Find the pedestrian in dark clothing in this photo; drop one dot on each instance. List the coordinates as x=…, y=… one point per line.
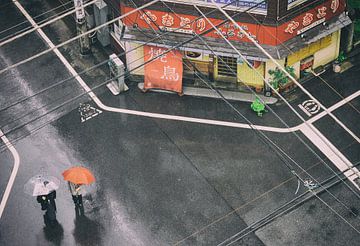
x=48, y=203
x=76, y=194
x=51, y=198
x=50, y=215
x=77, y=198
x=43, y=201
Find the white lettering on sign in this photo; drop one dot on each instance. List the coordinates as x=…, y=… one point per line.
x=334, y=5
x=310, y=26
x=200, y=24
x=159, y=53
x=171, y=29
x=170, y=74
x=230, y=30
x=184, y=22
x=167, y=20
x=292, y=26
x=307, y=19
x=321, y=12
x=148, y=17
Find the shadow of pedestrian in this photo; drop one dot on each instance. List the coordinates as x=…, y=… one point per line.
x=87, y=231
x=53, y=231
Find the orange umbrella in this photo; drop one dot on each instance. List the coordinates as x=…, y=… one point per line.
x=78, y=175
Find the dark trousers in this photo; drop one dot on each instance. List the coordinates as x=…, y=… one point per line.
x=77, y=200
x=50, y=215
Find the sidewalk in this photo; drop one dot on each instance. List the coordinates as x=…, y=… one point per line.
x=229, y=95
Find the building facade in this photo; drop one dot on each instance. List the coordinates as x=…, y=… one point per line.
x=302, y=34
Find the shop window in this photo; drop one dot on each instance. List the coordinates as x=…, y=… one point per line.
x=227, y=66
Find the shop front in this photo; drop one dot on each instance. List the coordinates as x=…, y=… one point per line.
x=222, y=71
x=315, y=55
x=306, y=42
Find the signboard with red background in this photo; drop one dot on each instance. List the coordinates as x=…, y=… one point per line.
x=263, y=34
x=164, y=71
x=310, y=19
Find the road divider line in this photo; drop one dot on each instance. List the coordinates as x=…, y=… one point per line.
x=14, y=171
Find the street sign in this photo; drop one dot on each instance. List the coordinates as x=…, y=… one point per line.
x=310, y=107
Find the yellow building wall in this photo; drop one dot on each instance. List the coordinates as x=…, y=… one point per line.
x=250, y=76
x=269, y=65
x=296, y=67
x=216, y=71
x=310, y=50
x=329, y=53
x=135, y=57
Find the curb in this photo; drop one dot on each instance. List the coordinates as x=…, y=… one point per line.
x=229, y=95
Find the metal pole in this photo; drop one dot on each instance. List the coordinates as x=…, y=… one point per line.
x=81, y=28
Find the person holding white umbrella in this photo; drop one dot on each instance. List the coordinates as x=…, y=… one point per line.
x=43, y=187
x=44, y=200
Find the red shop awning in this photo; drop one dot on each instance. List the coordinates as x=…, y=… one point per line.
x=164, y=72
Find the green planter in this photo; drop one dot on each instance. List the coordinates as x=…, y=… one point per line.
x=279, y=79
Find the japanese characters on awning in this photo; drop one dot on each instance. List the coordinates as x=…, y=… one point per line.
x=264, y=34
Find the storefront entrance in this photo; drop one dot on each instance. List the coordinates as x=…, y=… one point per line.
x=225, y=71
x=306, y=65
x=196, y=67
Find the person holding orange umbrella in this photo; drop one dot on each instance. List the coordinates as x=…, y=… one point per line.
x=76, y=177
x=75, y=190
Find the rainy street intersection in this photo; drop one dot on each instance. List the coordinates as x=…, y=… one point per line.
x=170, y=170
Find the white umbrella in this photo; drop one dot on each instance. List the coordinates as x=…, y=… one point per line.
x=41, y=185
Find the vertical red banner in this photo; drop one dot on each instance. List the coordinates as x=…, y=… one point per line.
x=165, y=71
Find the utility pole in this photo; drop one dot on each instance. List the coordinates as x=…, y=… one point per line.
x=81, y=27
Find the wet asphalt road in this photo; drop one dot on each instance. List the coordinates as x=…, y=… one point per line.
x=160, y=181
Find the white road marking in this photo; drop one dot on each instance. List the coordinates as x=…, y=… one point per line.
x=335, y=106
x=16, y=156
x=311, y=106
x=331, y=152
x=87, y=112
x=304, y=110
